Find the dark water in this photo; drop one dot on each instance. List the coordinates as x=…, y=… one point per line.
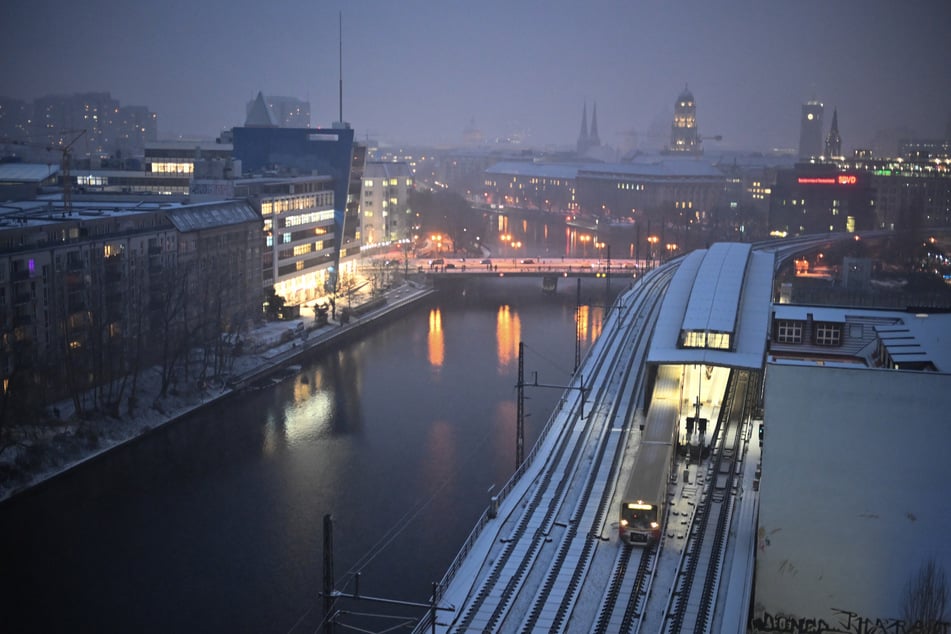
x=215, y=523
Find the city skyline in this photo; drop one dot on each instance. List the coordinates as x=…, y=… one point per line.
x=420, y=72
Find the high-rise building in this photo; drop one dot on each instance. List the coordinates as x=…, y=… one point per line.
x=14, y=119
x=810, y=129
x=684, y=136
x=93, y=125
x=386, y=215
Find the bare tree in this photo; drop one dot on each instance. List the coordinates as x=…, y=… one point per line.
x=926, y=600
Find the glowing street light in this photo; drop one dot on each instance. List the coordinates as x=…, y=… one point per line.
x=652, y=240
x=584, y=241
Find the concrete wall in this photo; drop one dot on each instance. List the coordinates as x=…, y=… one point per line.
x=854, y=495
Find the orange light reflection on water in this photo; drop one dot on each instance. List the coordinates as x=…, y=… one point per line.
x=508, y=332
x=437, y=346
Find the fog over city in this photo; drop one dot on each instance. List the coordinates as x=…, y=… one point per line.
x=421, y=72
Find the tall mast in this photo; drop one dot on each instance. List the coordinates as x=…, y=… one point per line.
x=340, y=61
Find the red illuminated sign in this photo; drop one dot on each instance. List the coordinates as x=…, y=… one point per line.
x=841, y=179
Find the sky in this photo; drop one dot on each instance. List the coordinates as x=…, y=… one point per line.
x=419, y=72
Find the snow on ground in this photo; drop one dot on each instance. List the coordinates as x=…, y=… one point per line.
x=59, y=447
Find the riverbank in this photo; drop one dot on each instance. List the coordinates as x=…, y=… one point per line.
x=69, y=442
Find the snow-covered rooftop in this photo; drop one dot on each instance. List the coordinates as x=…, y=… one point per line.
x=727, y=288
x=906, y=336
x=715, y=295
x=27, y=172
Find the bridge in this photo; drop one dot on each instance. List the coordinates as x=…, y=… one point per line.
x=534, y=267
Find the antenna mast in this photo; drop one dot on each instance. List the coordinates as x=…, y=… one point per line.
x=340, y=62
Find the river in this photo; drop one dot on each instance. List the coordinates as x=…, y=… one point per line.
x=215, y=522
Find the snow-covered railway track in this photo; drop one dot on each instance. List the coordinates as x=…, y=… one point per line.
x=691, y=605
x=541, y=567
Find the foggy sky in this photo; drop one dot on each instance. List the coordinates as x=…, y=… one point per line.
x=418, y=72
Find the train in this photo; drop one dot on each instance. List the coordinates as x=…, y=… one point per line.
x=643, y=505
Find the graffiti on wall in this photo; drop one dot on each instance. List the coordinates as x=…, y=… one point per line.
x=843, y=622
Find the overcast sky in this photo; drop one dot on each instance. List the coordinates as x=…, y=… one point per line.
x=419, y=71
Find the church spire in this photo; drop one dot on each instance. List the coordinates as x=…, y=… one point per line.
x=834, y=140
x=583, y=137
x=593, y=140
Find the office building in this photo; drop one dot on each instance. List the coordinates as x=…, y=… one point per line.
x=386, y=216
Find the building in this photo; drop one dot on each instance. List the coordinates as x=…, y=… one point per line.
x=313, y=151
x=14, y=120
x=297, y=253
x=108, y=127
x=167, y=169
x=587, y=140
x=684, y=136
x=834, y=140
x=852, y=489
x=877, y=193
x=810, y=129
x=821, y=198
x=386, y=216
x=90, y=292
x=285, y=112
x=25, y=181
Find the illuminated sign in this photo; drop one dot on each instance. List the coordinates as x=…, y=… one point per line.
x=841, y=179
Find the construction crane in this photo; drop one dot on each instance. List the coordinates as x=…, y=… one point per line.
x=66, y=159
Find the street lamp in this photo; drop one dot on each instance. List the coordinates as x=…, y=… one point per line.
x=671, y=247
x=652, y=240
x=584, y=242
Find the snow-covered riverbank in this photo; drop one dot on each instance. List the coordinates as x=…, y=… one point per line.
x=68, y=441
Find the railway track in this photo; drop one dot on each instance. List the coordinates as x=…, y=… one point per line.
x=691, y=604
x=534, y=580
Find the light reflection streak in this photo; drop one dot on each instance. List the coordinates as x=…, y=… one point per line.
x=582, y=322
x=436, y=347
x=508, y=332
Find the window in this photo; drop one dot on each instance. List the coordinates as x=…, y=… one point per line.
x=788, y=331
x=828, y=334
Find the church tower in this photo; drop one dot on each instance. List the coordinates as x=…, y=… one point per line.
x=834, y=141
x=583, y=141
x=684, y=136
x=593, y=140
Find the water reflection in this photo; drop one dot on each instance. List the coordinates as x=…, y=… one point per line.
x=436, y=347
x=311, y=419
x=508, y=333
x=583, y=322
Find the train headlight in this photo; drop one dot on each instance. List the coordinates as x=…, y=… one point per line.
x=654, y=526
x=623, y=523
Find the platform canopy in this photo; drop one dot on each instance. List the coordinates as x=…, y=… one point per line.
x=716, y=310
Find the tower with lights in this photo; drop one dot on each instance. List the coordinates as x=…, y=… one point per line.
x=810, y=129
x=684, y=136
